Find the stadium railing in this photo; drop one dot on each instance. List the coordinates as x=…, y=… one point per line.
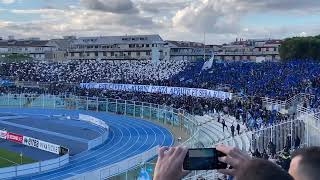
x=305, y=125
x=287, y=106
x=118, y=168
x=168, y=116
x=27, y=169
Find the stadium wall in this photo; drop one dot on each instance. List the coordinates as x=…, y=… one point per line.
x=98, y=122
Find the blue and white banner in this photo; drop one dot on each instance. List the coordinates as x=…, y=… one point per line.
x=178, y=91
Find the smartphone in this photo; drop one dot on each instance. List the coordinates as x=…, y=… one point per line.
x=203, y=159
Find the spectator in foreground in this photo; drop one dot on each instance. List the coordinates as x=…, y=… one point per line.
x=305, y=164
x=170, y=165
x=259, y=169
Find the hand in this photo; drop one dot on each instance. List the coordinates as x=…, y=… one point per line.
x=170, y=163
x=234, y=158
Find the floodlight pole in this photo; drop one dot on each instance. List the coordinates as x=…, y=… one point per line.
x=204, y=46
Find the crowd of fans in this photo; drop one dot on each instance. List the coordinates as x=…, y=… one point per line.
x=137, y=72
x=249, y=80
x=278, y=80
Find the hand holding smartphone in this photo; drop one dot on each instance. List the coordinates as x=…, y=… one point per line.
x=203, y=159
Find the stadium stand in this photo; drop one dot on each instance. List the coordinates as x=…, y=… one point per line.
x=258, y=104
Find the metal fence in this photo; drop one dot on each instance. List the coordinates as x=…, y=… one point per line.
x=281, y=135
x=306, y=125
x=43, y=166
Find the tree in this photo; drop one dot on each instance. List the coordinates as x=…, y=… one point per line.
x=300, y=48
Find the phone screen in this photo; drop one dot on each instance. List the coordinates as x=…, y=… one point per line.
x=203, y=159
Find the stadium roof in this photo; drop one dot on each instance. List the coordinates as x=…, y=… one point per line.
x=24, y=43
x=132, y=39
x=184, y=44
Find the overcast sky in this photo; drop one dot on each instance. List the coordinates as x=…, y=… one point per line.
x=222, y=20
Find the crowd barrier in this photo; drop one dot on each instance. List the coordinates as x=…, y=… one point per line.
x=21, y=170
x=305, y=125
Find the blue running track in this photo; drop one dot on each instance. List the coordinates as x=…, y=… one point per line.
x=127, y=137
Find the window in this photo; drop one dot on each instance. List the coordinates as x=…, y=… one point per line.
x=112, y=53
x=148, y=53
x=138, y=54
x=142, y=45
x=96, y=54
x=104, y=53
x=147, y=45
x=72, y=54
x=129, y=53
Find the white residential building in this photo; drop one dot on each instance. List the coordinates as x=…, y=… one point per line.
x=139, y=47
x=35, y=49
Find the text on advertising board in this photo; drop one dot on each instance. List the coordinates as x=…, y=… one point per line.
x=15, y=137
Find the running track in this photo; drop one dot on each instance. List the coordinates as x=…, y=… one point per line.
x=127, y=137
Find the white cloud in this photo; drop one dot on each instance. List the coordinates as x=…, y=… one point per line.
x=7, y=1
x=115, y=6
x=172, y=19
x=218, y=16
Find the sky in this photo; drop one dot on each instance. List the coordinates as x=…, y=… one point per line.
x=221, y=20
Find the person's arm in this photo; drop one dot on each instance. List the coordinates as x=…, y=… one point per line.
x=170, y=163
x=235, y=158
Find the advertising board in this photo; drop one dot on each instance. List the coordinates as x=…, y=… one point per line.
x=3, y=134
x=32, y=142
x=46, y=146
x=17, y=138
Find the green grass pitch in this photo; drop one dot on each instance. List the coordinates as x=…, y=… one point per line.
x=8, y=159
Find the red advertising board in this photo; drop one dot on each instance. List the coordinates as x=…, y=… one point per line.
x=15, y=137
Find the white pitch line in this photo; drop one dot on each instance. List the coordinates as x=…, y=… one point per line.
x=8, y=160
